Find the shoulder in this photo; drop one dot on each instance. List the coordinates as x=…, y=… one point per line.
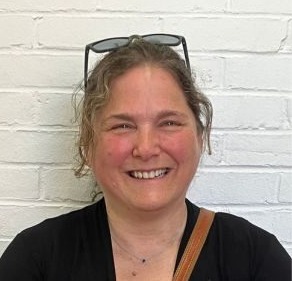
x=232, y=224
x=229, y=224
x=247, y=249
x=232, y=234
x=260, y=249
x=51, y=245
x=54, y=234
x=66, y=222
x=240, y=231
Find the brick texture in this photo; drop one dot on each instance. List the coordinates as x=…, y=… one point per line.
x=241, y=53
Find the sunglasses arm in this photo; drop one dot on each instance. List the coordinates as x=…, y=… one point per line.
x=86, y=65
x=184, y=43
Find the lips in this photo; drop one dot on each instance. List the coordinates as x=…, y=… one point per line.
x=149, y=174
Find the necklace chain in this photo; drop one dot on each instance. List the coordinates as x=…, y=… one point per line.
x=143, y=260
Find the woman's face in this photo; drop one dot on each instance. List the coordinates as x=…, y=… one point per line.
x=146, y=145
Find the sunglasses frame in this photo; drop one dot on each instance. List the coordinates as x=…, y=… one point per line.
x=88, y=47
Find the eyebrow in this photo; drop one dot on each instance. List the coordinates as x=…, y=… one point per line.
x=161, y=114
x=169, y=113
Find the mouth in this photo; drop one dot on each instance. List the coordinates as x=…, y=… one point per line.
x=149, y=174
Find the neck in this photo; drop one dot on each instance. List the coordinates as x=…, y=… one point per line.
x=149, y=227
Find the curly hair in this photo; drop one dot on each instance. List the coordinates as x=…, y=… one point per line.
x=116, y=63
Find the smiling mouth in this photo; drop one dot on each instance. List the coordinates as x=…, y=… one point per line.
x=149, y=174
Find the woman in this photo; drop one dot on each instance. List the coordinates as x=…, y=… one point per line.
x=144, y=126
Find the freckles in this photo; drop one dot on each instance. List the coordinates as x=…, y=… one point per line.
x=109, y=153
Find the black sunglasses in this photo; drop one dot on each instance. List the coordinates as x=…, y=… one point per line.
x=111, y=44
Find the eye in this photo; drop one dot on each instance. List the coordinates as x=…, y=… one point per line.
x=170, y=123
x=122, y=127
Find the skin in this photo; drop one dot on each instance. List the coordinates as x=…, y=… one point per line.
x=146, y=126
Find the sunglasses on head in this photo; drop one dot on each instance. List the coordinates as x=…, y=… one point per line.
x=111, y=44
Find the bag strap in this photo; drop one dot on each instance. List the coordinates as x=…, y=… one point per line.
x=194, y=246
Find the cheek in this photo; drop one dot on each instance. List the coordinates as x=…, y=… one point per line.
x=111, y=151
x=185, y=147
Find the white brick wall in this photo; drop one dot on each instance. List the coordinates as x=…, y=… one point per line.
x=242, y=54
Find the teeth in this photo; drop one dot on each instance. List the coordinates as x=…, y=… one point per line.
x=145, y=175
x=148, y=175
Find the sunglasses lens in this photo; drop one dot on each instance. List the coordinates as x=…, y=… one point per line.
x=163, y=39
x=110, y=44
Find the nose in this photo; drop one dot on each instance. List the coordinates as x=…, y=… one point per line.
x=146, y=144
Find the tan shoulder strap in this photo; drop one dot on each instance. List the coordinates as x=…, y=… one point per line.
x=194, y=246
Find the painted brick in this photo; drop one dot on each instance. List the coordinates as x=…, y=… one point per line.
x=242, y=111
x=57, y=31
x=55, y=109
x=259, y=72
x=229, y=34
x=215, y=158
x=285, y=194
x=289, y=112
x=208, y=71
x=288, y=42
x=3, y=246
x=252, y=150
x=17, y=108
x=19, y=183
x=201, y=33
x=14, y=36
x=61, y=184
x=36, y=147
x=249, y=47
x=262, y=6
x=32, y=108
x=42, y=5
x=169, y=6
x=40, y=70
x=230, y=187
x=288, y=249
x=14, y=219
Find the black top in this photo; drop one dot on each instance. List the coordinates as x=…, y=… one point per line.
x=77, y=247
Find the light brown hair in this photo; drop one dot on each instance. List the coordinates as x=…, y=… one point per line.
x=116, y=63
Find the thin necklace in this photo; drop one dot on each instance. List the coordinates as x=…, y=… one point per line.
x=144, y=260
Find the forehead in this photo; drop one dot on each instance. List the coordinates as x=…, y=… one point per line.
x=148, y=80
x=145, y=89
